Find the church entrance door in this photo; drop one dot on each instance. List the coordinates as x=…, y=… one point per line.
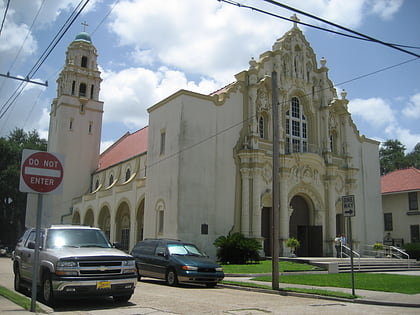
x=309, y=236
x=266, y=229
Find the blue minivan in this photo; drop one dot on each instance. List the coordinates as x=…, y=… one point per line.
x=175, y=261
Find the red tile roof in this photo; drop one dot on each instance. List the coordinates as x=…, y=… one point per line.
x=128, y=146
x=222, y=90
x=401, y=180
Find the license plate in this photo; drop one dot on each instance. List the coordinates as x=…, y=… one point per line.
x=103, y=285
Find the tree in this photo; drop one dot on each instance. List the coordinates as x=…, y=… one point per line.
x=12, y=201
x=392, y=156
x=413, y=158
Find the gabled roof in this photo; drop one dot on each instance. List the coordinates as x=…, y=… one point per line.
x=400, y=181
x=128, y=146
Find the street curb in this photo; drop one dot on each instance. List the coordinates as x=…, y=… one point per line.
x=316, y=296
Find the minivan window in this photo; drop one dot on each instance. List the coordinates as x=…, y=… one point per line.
x=161, y=248
x=184, y=249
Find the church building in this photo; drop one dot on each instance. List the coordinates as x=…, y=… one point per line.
x=203, y=166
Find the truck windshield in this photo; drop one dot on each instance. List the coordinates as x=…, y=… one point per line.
x=76, y=238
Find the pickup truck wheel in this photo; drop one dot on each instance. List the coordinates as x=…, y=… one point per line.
x=171, y=277
x=46, y=289
x=18, y=281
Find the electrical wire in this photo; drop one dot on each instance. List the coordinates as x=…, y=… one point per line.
x=238, y=4
x=4, y=16
x=341, y=27
x=76, y=12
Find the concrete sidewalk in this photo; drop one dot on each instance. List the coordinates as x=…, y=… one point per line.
x=366, y=296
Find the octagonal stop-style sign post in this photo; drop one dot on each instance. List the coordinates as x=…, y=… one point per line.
x=40, y=173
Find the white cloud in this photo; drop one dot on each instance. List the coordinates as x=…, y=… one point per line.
x=386, y=8
x=384, y=122
x=412, y=110
x=375, y=111
x=128, y=93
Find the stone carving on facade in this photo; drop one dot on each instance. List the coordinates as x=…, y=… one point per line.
x=339, y=184
x=263, y=103
x=267, y=173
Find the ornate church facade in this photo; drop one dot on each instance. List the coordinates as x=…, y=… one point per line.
x=203, y=165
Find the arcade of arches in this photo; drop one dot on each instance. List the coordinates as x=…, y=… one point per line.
x=127, y=228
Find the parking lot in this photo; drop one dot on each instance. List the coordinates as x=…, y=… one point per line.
x=154, y=297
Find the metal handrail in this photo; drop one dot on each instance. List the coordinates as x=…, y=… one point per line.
x=401, y=252
x=348, y=248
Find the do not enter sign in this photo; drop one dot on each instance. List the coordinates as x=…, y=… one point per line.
x=41, y=172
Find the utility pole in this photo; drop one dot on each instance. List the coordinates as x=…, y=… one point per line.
x=276, y=191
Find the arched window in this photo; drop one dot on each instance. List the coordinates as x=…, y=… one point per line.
x=84, y=62
x=82, y=90
x=127, y=174
x=92, y=88
x=111, y=180
x=73, y=87
x=261, y=125
x=97, y=184
x=296, y=128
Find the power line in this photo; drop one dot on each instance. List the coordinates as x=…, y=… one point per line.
x=76, y=12
x=238, y=4
x=4, y=16
x=341, y=27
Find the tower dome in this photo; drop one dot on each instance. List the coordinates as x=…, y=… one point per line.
x=83, y=36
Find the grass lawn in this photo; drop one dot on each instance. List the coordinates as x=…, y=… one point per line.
x=364, y=281
x=265, y=267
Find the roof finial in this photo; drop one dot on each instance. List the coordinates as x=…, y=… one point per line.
x=295, y=20
x=84, y=25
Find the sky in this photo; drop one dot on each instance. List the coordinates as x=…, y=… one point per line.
x=149, y=49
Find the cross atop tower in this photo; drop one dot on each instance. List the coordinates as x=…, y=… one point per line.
x=84, y=25
x=295, y=20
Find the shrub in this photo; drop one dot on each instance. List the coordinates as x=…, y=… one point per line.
x=292, y=243
x=378, y=246
x=235, y=248
x=412, y=249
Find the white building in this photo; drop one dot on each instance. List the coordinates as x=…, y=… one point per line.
x=203, y=166
x=400, y=200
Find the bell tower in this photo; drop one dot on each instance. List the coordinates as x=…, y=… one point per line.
x=75, y=126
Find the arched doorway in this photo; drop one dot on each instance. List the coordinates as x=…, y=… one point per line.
x=140, y=221
x=123, y=226
x=89, y=218
x=301, y=228
x=105, y=221
x=76, y=218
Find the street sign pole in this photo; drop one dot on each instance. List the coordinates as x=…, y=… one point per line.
x=41, y=173
x=349, y=211
x=351, y=257
x=35, y=272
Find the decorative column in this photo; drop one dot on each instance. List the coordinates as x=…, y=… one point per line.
x=284, y=210
x=256, y=204
x=245, y=223
x=331, y=224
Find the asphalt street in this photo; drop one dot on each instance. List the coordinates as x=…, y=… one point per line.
x=154, y=297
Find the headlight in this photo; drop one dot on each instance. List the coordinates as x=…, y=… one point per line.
x=129, y=266
x=189, y=268
x=66, y=268
x=129, y=263
x=219, y=269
